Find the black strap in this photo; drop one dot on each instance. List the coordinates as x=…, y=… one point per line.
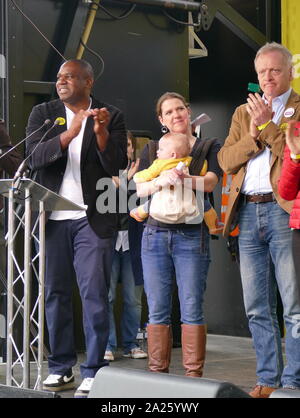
x=202, y=148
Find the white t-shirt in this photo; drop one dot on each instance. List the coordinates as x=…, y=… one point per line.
x=71, y=185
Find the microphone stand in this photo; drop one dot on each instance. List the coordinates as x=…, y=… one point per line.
x=22, y=167
x=47, y=121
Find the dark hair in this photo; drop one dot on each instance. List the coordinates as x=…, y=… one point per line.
x=130, y=135
x=84, y=65
x=166, y=96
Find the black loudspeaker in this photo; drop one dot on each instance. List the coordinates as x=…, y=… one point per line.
x=15, y=392
x=113, y=382
x=285, y=393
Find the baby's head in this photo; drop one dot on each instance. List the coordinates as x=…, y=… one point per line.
x=173, y=146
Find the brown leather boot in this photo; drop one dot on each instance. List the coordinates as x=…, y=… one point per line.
x=261, y=391
x=159, y=339
x=193, y=339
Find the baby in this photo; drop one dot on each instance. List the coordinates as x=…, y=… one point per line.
x=173, y=149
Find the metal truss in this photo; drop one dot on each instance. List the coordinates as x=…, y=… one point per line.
x=25, y=310
x=233, y=20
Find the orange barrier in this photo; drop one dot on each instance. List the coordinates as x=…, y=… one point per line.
x=226, y=184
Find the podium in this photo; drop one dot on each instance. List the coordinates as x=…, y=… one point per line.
x=27, y=194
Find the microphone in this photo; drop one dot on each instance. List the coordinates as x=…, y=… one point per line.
x=199, y=120
x=46, y=123
x=22, y=167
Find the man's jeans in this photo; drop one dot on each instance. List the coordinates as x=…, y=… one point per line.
x=132, y=302
x=183, y=254
x=265, y=238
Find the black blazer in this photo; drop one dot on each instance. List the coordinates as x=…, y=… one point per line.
x=49, y=161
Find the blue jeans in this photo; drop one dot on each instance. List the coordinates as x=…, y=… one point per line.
x=132, y=304
x=265, y=238
x=183, y=254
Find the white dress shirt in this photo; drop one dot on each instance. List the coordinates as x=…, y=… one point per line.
x=257, y=179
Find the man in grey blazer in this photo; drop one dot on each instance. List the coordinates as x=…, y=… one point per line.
x=88, y=145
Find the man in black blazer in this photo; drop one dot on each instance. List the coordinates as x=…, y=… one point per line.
x=88, y=145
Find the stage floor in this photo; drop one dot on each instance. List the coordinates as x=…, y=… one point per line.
x=230, y=359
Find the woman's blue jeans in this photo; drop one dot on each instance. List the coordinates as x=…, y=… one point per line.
x=265, y=238
x=181, y=254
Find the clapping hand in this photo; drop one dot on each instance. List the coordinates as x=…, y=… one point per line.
x=101, y=119
x=134, y=166
x=259, y=111
x=292, y=136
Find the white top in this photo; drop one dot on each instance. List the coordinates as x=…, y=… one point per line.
x=257, y=179
x=71, y=185
x=122, y=241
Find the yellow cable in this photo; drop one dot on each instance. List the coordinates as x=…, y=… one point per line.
x=87, y=29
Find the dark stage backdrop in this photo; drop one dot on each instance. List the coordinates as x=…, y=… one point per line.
x=144, y=55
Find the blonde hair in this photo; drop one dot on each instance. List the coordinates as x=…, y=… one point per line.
x=274, y=46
